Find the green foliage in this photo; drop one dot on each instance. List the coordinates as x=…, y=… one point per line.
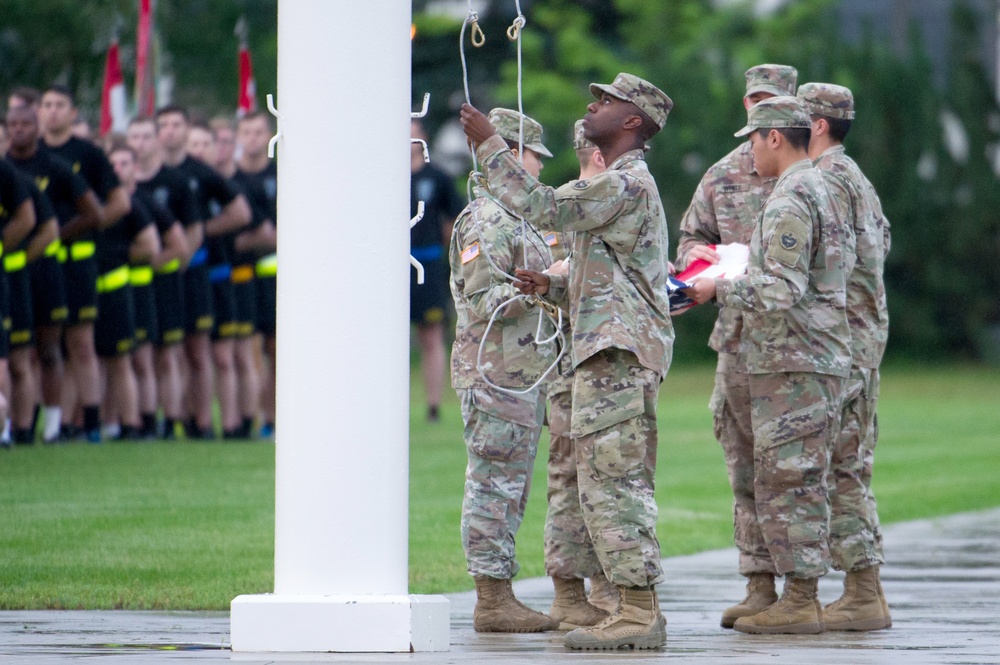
x=65, y=41
x=942, y=274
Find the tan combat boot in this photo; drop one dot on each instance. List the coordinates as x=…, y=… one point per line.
x=881, y=595
x=637, y=624
x=604, y=593
x=498, y=611
x=861, y=606
x=797, y=611
x=570, y=607
x=760, y=596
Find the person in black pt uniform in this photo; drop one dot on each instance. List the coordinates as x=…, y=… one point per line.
x=223, y=211
x=57, y=114
x=243, y=280
x=428, y=240
x=17, y=264
x=133, y=238
x=79, y=217
x=168, y=188
x=253, y=133
x=17, y=218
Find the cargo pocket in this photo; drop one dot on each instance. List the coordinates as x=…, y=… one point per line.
x=618, y=445
x=519, y=409
x=792, y=426
x=789, y=450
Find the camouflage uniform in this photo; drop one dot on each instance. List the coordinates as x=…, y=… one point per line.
x=724, y=210
x=855, y=534
x=795, y=347
x=622, y=334
x=569, y=550
x=501, y=429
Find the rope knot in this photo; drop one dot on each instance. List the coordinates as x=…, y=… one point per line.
x=515, y=28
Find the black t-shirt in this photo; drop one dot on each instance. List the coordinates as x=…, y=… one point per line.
x=115, y=241
x=169, y=189
x=253, y=191
x=43, y=208
x=88, y=161
x=13, y=192
x=212, y=193
x=161, y=216
x=56, y=179
x=267, y=181
x=441, y=202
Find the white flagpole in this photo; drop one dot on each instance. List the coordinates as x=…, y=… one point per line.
x=342, y=465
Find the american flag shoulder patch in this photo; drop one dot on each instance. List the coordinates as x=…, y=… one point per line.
x=551, y=238
x=470, y=252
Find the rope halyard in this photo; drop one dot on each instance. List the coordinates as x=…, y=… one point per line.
x=545, y=310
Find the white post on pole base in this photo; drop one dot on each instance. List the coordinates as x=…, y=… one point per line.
x=341, y=457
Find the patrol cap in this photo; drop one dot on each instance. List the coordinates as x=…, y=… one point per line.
x=650, y=99
x=827, y=99
x=579, y=140
x=776, y=112
x=508, y=123
x=777, y=80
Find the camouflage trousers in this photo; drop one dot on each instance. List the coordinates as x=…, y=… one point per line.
x=855, y=534
x=613, y=425
x=569, y=551
x=796, y=422
x=730, y=405
x=501, y=439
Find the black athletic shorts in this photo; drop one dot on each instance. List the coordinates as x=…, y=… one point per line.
x=199, y=315
x=144, y=301
x=245, y=298
x=428, y=301
x=224, y=306
x=22, y=321
x=48, y=291
x=267, y=305
x=169, y=291
x=81, y=290
x=114, y=331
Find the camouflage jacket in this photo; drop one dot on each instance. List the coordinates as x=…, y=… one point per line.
x=617, y=281
x=866, y=307
x=511, y=358
x=724, y=210
x=795, y=291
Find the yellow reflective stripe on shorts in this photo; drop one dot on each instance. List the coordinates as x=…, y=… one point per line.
x=81, y=250
x=268, y=266
x=113, y=280
x=140, y=275
x=241, y=274
x=15, y=261
x=169, y=267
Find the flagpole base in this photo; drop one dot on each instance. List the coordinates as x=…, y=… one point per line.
x=314, y=623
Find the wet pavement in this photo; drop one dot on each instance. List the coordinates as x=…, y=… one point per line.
x=942, y=583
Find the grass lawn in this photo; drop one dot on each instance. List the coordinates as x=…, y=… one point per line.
x=190, y=525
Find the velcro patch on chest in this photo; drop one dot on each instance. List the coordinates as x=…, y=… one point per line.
x=734, y=188
x=551, y=238
x=470, y=252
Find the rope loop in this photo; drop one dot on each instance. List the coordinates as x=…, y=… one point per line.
x=515, y=28
x=477, y=36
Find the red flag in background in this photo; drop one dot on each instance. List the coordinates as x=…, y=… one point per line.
x=114, y=116
x=247, y=101
x=145, y=86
